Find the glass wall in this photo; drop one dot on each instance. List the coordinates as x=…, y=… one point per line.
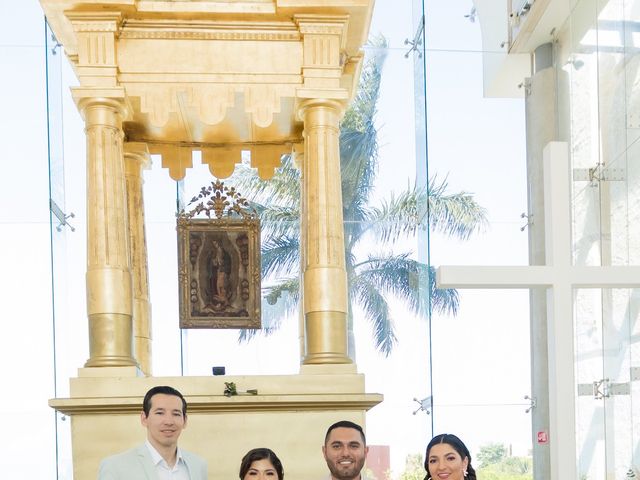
x=481, y=355
x=26, y=346
x=598, y=77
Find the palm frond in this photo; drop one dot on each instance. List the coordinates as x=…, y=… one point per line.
x=403, y=214
x=277, y=221
x=358, y=222
x=445, y=301
x=281, y=301
x=358, y=133
x=358, y=160
x=282, y=189
x=376, y=311
x=410, y=281
x=280, y=255
x=399, y=215
x=456, y=214
x=364, y=106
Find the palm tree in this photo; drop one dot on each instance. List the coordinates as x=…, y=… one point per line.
x=373, y=279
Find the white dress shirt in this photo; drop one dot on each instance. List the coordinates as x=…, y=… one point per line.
x=164, y=471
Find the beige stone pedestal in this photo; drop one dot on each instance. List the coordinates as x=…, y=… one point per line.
x=290, y=415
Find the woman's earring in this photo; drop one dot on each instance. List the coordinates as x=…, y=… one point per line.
x=465, y=472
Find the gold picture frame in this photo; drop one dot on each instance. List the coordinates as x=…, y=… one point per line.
x=219, y=263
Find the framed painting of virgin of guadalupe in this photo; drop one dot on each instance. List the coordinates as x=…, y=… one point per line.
x=219, y=261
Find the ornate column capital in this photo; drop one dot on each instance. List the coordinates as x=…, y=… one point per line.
x=337, y=106
x=137, y=157
x=107, y=100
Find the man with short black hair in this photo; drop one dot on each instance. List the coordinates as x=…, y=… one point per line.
x=164, y=414
x=345, y=450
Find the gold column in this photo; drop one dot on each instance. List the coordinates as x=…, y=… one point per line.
x=137, y=158
x=323, y=265
x=109, y=302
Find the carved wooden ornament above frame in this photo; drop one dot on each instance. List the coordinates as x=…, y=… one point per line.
x=219, y=261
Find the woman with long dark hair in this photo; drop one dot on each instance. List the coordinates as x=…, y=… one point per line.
x=447, y=457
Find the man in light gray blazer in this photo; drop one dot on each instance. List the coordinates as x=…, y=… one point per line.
x=164, y=414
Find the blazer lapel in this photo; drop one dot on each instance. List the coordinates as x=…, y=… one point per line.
x=185, y=457
x=144, y=457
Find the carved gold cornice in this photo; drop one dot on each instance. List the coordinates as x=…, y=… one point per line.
x=95, y=21
x=210, y=101
x=223, y=72
x=223, y=404
x=323, y=24
x=213, y=30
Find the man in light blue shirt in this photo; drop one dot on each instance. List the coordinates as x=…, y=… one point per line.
x=164, y=414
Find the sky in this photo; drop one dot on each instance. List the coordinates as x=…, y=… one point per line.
x=477, y=144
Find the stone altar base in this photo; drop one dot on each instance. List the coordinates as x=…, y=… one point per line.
x=290, y=415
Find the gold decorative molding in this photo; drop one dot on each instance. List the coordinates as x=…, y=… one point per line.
x=224, y=202
x=212, y=101
x=324, y=43
x=266, y=158
x=112, y=98
x=189, y=35
x=212, y=30
x=223, y=404
x=222, y=158
x=96, y=46
x=310, y=24
x=209, y=100
x=222, y=161
x=176, y=159
x=157, y=101
x=262, y=101
x=92, y=22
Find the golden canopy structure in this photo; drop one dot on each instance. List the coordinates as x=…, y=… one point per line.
x=221, y=77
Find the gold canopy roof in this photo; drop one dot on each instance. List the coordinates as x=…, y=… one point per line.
x=215, y=76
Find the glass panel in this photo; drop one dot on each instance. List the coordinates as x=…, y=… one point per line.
x=476, y=144
x=404, y=376
x=599, y=63
x=631, y=17
x=62, y=224
x=590, y=413
x=613, y=70
x=26, y=346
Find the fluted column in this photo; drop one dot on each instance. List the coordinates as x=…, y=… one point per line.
x=109, y=293
x=323, y=263
x=137, y=158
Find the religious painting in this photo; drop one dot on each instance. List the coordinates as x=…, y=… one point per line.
x=219, y=261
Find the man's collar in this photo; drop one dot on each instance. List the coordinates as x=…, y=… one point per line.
x=157, y=458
